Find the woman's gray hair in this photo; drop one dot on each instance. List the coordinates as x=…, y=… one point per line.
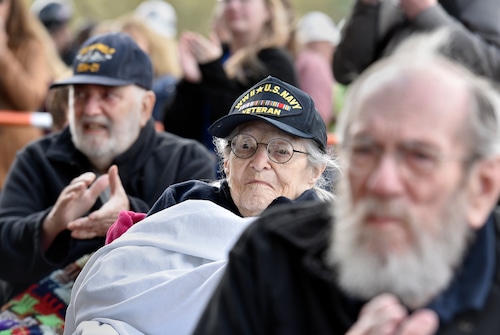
x=316, y=158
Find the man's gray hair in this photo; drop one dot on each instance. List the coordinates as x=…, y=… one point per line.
x=482, y=131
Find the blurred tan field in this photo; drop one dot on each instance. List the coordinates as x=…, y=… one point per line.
x=192, y=14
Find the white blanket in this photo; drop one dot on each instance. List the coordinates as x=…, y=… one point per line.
x=158, y=276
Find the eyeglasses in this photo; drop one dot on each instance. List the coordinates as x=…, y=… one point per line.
x=278, y=150
x=414, y=159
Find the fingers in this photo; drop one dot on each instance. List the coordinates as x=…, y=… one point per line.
x=384, y=315
x=99, y=185
x=86, y=178
x=119, y=199
x=203, y=49
x=421, y=322
x=381, y=316
x=82, y=228
x=72, y=191
x=88, y=227
x=115, y=183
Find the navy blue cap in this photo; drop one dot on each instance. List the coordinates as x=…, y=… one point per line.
x=278, y=103
x=111, y=59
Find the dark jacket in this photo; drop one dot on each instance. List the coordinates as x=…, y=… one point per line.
x=374, y=31
x=216, y=191
x=187, y=115
x=276, y=282
x=44, y=168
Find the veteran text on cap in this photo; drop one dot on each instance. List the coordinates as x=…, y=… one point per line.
x=278, y=103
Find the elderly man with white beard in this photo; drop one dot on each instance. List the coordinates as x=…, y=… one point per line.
x=411, y=243
x=65, y=190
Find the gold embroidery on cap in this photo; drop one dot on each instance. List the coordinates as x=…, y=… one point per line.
x=287, y=96
x=90, y=56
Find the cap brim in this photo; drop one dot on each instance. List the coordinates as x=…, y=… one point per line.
x=225, y=125
x=91, y=79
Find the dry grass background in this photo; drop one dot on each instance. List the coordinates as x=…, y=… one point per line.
x=193, y=14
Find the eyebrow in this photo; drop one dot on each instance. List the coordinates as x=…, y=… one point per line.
x=413, y=144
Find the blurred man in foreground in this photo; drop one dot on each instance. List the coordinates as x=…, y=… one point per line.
x=412, y=231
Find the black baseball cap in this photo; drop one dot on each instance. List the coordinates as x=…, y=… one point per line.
x=55, y=14
x=111, y=59
x=278, y=103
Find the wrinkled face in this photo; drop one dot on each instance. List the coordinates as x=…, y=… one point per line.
x=245, y=16
x=256, y=181
x=401, y=222
x=105, y=121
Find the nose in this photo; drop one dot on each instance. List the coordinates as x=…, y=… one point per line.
x=260, y=160
x=385, y=180
x=91, y=105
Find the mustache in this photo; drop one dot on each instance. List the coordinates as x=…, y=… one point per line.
x=95, y=119
x=376, y=207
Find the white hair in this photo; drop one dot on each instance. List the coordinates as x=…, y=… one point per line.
x=481, y=132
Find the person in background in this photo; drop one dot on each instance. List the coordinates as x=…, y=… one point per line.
x=56, y=104
x=376, y=27
x=214, y=77
x=56, y=16
x=28, y=64
x=413, y=230
x=317, y=36
x=158, y=275
x=65, y=190
x=164, y=55
x=160, y=16
x=161, y=44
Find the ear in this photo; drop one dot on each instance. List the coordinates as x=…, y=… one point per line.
x=316, y=174
x=483, y=190
x=148, y=102
x=226, y=167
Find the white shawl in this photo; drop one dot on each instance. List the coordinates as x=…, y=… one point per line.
x=158, y=276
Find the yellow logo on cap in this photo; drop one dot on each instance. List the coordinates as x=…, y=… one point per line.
x=85, y=67
x=90, y=57
x=267, y=106
x=102, y=48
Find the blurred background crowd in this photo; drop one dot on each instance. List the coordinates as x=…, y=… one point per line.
x=168, y=32
x=192, y=15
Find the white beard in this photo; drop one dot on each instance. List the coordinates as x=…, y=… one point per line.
x=415, y=276
x=101, y=150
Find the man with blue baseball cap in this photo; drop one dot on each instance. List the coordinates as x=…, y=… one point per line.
x=65, y=190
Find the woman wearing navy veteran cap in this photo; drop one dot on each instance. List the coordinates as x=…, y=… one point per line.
x=272, y=147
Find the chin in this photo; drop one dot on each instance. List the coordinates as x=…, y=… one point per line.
x=405, y=259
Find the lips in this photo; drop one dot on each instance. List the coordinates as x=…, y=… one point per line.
x=259, y=182
x=94, y=126
x=382, y=220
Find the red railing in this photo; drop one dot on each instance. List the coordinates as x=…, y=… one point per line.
x=18, y=118
x=44, y=120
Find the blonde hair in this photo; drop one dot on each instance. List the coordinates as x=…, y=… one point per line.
x=275, y=34
x=162, y=50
